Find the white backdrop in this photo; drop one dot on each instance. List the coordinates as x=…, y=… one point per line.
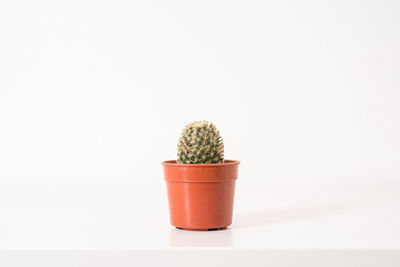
x=298, y=89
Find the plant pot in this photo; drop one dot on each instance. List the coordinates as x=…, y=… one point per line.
x=201, y=196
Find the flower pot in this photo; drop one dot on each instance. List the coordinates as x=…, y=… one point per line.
x=201, y=196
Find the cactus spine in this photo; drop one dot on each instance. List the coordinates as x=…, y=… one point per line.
x=200, y=143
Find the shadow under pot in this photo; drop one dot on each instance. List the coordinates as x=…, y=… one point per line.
x=201, y=196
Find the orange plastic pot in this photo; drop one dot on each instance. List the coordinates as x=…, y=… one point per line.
x=201, y=196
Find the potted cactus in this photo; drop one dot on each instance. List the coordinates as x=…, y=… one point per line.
x=200, y=183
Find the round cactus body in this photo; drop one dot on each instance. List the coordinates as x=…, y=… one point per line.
x=200, y=143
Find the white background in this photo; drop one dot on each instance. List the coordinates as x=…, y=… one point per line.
x=94, y=95
x=298, y=89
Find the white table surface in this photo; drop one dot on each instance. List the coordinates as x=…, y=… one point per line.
x=41, y=218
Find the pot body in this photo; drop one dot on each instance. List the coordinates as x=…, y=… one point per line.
x=201, y=196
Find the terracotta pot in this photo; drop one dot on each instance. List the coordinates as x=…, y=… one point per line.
x=201, y=195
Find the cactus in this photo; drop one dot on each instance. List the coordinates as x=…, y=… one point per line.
x=200, y=143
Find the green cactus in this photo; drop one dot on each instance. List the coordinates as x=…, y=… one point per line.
x=200, y=143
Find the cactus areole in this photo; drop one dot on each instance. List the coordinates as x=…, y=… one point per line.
x=200, y=183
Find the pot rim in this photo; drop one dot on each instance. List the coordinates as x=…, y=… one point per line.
x=227, y=162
